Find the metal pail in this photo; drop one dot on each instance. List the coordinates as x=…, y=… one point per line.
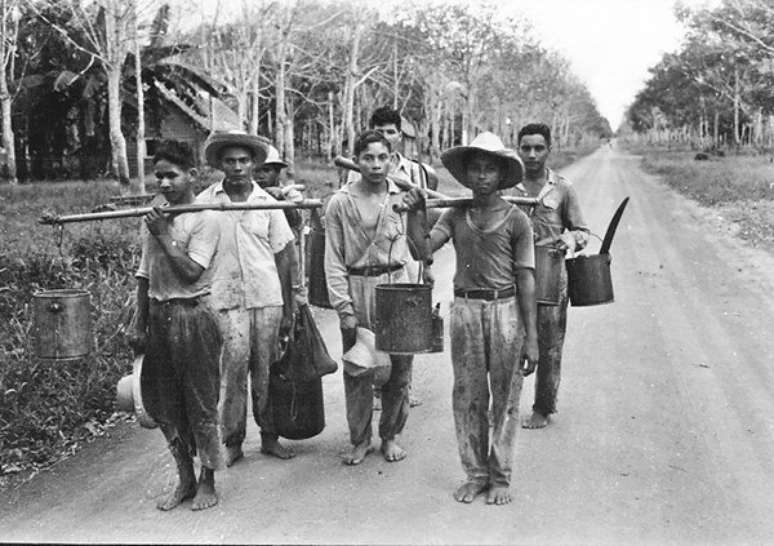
x=548, y=274
x=318, y=289
x=403, y=321
x=589, y=281
x=61, y=324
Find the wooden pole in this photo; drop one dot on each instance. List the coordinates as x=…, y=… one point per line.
x=142, y=211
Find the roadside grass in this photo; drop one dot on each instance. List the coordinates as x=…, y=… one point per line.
x=740, y=187
x=49, y=409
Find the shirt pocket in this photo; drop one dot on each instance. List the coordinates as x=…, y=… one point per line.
x=256, y=225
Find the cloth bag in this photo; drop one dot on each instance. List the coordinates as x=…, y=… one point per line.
x=306, y=357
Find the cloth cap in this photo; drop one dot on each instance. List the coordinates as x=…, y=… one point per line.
x=455, y=159
x=273, y=158
x=257, y=145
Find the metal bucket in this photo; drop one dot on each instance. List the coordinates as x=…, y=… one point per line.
x=589, y=281
x=548, y=274
x=318, y=288
x=403, y=321
x=61, y=324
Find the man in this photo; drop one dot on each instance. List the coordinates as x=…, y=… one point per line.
x=493, y=317
x=176, y=330
x=251, y=289
x=365, y=246
x=388, y=122
x=557, y=222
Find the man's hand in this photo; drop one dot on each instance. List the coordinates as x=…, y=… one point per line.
x=427, y=276
x=156, y=221
x=414, y=199
x=286, y=324
x=348, y=322
x=275, y=192
x=137, y=338
x=528, y=360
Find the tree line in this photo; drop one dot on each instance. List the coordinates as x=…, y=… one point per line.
x=306, y=73
x=718, y=88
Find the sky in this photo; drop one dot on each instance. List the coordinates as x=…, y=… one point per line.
x=609, y=43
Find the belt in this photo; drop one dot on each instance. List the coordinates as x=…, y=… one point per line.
x=373, y=271
x=486, y=294
x=190, y=302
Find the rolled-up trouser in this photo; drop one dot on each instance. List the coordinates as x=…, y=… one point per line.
x=359, y=390
x=552, y=324
x=181, y=378
x=486, y=336
x=250, y=346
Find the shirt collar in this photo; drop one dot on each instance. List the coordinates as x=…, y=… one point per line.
x=392, y=188
x=256, y=193
x=551, y=180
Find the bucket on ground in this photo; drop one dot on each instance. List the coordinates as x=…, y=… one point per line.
x=589, y=281
x=548, y=274
x=318, y=288
x=61, y=324
x=403, y=321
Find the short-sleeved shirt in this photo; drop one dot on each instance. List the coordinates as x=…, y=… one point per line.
x=244, y=270
x=487, y=259
x=558, y=208
x=348, y=245
x=197, y=234
x=403, y=168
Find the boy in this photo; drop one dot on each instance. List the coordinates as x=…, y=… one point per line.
x=366, y=245
x=557, y=221
x=177, y=331
x=494, y=304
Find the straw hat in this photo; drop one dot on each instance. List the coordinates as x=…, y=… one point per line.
x=455, y=159
x=258, y=145
x=273, y=158
x=363, y=355
x=129, y=397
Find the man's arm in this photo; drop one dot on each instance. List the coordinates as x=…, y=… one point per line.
x=336, y=267
x=284, y=260
x=138, y=329
x=525, y=282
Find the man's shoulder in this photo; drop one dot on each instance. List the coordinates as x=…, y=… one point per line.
x=560, y=179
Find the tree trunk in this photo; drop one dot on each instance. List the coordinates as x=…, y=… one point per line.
x=736, y=106
x=7, y=45
x=117, y=140
x=289, y=144
x=349, y=89
x=140, y=186
x=255, y=114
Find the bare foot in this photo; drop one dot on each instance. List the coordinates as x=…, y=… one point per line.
x=414, y=401
x=392, y=451
x=499, y=494
x=233, y=454
x=358, y=453
x=206, y=497
x=184, y=490
x=272, y=447
x=469, y=491
x=536, y=420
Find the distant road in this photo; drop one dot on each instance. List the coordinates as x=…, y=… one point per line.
x=665, y=432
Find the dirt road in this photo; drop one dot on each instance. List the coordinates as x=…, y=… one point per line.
x=665, y=432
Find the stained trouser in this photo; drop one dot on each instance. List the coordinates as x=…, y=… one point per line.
x=486, y=338
x=551, y=326
x=251, y=344
x=359, y=390
x=181, y=379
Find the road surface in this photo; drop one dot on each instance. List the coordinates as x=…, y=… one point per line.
x=664, y=434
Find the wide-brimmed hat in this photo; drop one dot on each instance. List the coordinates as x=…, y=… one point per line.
x=455, y=159
x=129, y=395
x=363, y=355
x=273, y=158
x=257, y=145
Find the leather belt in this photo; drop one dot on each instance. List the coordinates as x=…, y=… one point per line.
x=373, y=271
x=486, y=294
x=190, y=302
